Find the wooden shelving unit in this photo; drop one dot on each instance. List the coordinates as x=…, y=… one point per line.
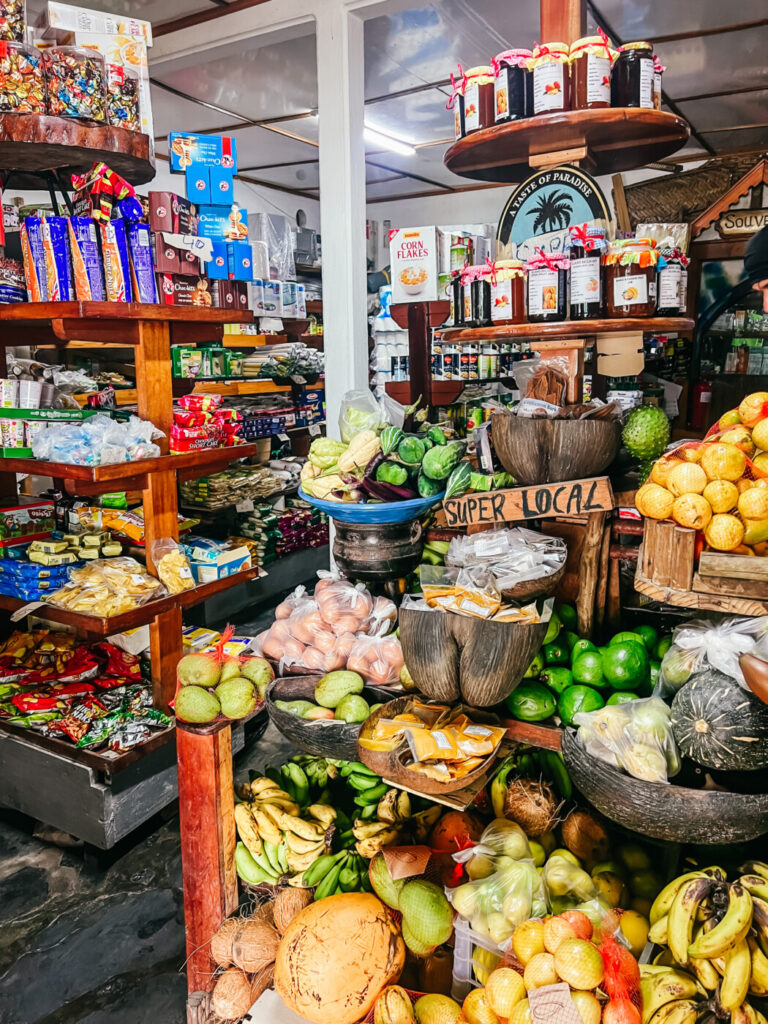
x=567, y=329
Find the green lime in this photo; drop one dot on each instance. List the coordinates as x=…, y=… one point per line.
x=621, y=638
x=662, y=647
x=645, y=688
x=655, y=668
x=625, y=665
x=588, y=669
x=575, y=699
x=553, y=628
x=531, y=702
x=567, y=615
x=557, y=678
x=621, y=697
x=556, y=654
x=535, y=668
x=579, y=647
x=568, y=638
x=650, y=636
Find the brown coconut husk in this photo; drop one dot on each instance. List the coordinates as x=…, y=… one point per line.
x=255, y=945
x=288, y=903
x=221, y=943
x=532, y=805
x=232, y=996
x=586, y=836
x=262, y=981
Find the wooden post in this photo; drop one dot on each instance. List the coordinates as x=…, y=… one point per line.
x=590, y=560
x=563, y=20
x=602, y=577
x=206, y=813
x=419, y=353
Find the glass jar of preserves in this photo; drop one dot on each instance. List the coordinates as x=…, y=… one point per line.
x=478, y=99
x=551, y=78
x=632, y=76
x=22, y=84
x=479, y=290
x=670, y=272
x=74, y=77
x=507, y=292
x=683, y=304
x=586, y=246
x=547, y=287
x=123, y=97
x=591, y=62
x=658, y=71
x=456, y=104
x=630, y=278
x=513, y=86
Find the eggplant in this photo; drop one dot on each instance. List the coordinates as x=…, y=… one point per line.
x=387, y=492
x=374, y=463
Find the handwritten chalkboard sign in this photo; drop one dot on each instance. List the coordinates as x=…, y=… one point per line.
x=542, y=501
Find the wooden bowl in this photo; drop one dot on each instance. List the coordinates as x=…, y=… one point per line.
x=548, y=451
x=455, y=657
x=529, y=590
x=391, y=764
x=662, y=810
x=321, y=737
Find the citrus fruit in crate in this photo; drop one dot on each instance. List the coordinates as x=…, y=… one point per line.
x=723, y=461
x=754, y=408
x=654, y=501
x=692, y=511
x=753, y=504
x=579, y=963
x=688, y=478
x=760, y=435
x=724, y=532
x=528, y=940
x=722, y=495
x=741, y=436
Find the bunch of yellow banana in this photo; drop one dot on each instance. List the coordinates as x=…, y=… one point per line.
x=372, y=835
x=394, y=823
x=277, y=838
x=718, y=930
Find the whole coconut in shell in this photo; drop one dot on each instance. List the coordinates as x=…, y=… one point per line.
x=255, y=945
x=336, y=956
x=221, y=943
x=532, y=805
x=232, y=995
x=288, y=903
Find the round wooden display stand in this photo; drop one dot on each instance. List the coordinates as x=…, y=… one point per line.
x=567, y=329
x=613, y=139
x=31, y=144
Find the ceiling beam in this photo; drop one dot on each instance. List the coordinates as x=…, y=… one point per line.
x=443, y=191
x=190, y=20
x=696, y=33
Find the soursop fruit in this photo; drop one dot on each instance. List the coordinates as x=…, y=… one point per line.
x=646, y=432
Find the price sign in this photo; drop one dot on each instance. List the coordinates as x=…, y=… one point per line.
x=314, y=430
x=283, y=437
x=246, y=505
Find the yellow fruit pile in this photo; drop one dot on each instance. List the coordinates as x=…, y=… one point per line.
x=713, y=487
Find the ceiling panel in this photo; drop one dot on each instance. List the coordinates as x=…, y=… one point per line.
x=727, y=111
x=715, y=63
x=256, y=146
x=747, y=138
x=303, y=176
x=645, y=19
x=403, y=187
x=421, y=117
x=172, y=113
x=427, y=163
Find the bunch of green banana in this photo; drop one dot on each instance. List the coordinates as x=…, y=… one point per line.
x=368, y=787
x=336, y=873
x=277, y=839
x=719, y=931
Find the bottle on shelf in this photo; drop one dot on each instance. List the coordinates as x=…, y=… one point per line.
x=513, y=86
x=591, y=61
x=586, y=246
x=547, y=287
x=632, y=79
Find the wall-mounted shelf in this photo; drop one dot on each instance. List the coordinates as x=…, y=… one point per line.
x=567, y=329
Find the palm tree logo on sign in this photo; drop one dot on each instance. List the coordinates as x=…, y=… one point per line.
x=542, y=208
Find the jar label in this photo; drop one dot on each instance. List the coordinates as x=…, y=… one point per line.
x=646, y=83
x=548, y=87
x=598, y=79
x=501, y=300
x=631, y=290
x=471, y=108
x=457, y=122
x=669, y=287
x=585, y=280
x=542, y=290
x=683, y=304
x=467, y=304
x=657, y=90
x=501, y=97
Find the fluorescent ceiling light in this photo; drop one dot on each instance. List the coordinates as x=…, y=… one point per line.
x=377, y=138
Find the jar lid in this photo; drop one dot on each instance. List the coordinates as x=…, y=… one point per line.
x=559, y=51
x=550, y=260
x=474, y=272
x=641, y=251
x=481, y=72
x=515, y=58
x=508, y=264
x=636, y=46
x=598, y=46
x=591, y=237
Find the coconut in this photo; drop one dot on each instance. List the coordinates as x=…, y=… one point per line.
x=255, y=945
x=585, y=837
x=232, y=995
x=221, y=943
x=532, y=805
x=288, y=902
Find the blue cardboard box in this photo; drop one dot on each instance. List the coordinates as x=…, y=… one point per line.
x=218, y=266
x=222, y=186
x=188, y=149
x=226, y=223
x=239, y=261
x=199, y=185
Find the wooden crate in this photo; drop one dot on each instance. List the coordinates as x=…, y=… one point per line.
x=668, y=554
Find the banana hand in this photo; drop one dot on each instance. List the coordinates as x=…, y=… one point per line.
x=247, y=829
x=736, y=975
x=659, y=989
x=323, y=813
x=266, y=826
x=368, y=848
x=729, y=931
x=386, y=809
x=682, y=915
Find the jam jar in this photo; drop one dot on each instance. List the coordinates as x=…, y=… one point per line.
x=456, y=104
x=591, y=62
x=507, y=292
x=478, y=99
x=547, y=287
x=658, y=71
x=684, y=261
x=513, y=88
x=630, y=278
x=632, y=76
x=457, y=299
x=551, y=78
x=477, y=284
x=586, y=246
x=22, y=85
x=669, y=282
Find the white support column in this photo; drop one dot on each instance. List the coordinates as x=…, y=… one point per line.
x=342, y=201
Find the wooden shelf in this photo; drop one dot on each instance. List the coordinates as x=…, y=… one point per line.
x=567, y=329
x=536, y=734
x=315, y=306
x=444, y=392
x=98, y=626
x=231, y=389
x=610, y=140
x=32, y=143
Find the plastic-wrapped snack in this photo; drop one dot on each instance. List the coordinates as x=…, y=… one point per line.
x=22, y=85
x=108, y=587
x=123, y=97
x=172, y=566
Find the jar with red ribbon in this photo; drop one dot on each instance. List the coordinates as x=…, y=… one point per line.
x=658, y=71
x=478, y=99
x=507, y=292
x=456, y=103
x=673, y=283
x=547, y=287
x=586, y=246
x=513, y=88
x=591, y=61
x=551, y=78
x=631, y=267
x=476, y=284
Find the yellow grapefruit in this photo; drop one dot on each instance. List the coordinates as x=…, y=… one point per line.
x=661, y=468
x=754, y=408
x=761, y=461
x=744, y=484
x=723, y=461
x=729, y=419
x=724, y=532
x=741, y=437
x=654, y=502
x=690, y=454
x=760, y=434
x=692, y=510
x=687, y=478
x=722, y=495
x=753, y=504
